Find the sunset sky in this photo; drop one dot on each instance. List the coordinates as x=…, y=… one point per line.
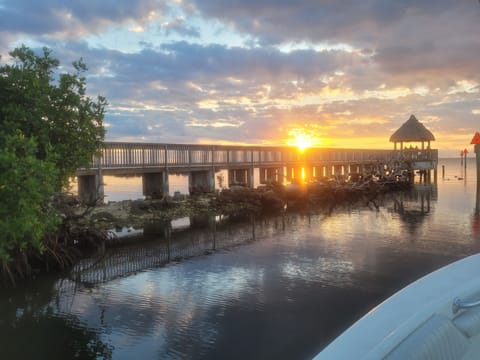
x=334, y=73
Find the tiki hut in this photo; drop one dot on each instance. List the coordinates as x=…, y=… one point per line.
x=412, y=131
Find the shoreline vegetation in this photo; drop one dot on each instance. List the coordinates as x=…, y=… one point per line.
x=49, y=128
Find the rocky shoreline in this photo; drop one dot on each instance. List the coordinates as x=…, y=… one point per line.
x=272, y=198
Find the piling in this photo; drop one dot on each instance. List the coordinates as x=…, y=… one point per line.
x=465, y=162
x=252, y=216
x=476, y=142
x=477, y=203
x=477, y=154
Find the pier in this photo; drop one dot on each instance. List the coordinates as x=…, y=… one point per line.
x=154, y=162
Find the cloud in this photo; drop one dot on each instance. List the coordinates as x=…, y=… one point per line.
x=251, y=71
x=405, y=37
x=179, y=26
x=184, y=92
x=60, y=19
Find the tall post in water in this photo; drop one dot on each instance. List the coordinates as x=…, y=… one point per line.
x=168, y=236
x=477, y=155
x=477, y=195
x=252, y=219
x=476, y=142
x=213, y=222
x=100, y=190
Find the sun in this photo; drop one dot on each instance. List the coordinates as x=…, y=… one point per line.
x=302, y=138
x=302, y=141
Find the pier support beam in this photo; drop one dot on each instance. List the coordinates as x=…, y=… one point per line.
x=338, y=170
x=90, y=188
x=250, y=177
x=276, y=174
x=294, y=173
x=320, y=171
x=155, y=185
x=308, y=173
x=242, y=177
x=201, y=181
x=289, y=175
x=271, y=174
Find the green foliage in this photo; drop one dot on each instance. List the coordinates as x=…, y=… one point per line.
x=25, y=187
x=66, y=123
x=48, y=128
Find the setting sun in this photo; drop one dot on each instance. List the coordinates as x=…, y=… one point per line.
x=303, y=138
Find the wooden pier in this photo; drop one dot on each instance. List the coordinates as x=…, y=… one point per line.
x=154, y=162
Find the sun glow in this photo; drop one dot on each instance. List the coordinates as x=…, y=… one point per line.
x=303, y=138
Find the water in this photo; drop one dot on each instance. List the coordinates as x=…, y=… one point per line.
x=284, y=295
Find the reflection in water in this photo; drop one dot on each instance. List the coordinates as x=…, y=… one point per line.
x=414, y=206
x=176, y=240
x=321, y=270
x=285, y=295
x=36, y=323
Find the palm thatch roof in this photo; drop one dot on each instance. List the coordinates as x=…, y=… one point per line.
x=412, y=130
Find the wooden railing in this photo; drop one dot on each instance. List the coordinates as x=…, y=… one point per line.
x=118, y=155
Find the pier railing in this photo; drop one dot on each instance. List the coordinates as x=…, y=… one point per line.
x=141, y=155
x=118, y=155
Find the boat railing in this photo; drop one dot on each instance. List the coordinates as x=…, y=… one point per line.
x=459, y=304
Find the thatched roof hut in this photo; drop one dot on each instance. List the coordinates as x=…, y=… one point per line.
x=412, y=131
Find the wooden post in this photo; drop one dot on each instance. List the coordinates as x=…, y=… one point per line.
x=214, y=231
x=477, y=154
x=168, y=236
x=476, y=142
x=477, y=200
x=252, y=217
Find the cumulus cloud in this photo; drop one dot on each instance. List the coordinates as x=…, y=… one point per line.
x=72, y=19
x=406, y=37
x=179, y=26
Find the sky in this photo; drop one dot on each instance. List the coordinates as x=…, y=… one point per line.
x=328, y=73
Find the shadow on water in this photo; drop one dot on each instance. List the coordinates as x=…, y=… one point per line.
x=33, y=325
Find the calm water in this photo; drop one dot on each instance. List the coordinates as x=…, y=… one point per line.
x=282, y=295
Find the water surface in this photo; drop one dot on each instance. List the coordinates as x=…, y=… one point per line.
x=276, y=288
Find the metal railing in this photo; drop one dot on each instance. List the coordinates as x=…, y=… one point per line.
x=459, y=304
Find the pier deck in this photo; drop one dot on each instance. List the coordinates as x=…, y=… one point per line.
x=275, y=163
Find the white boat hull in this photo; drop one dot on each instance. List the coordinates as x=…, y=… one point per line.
x=418, y=322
